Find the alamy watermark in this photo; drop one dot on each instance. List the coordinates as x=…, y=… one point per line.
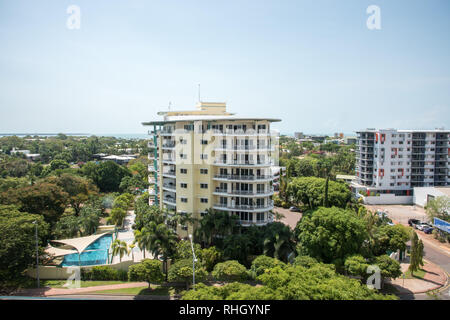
x=374, y=281
x=74, y=20
x=374, y=20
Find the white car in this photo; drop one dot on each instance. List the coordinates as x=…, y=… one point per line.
x=421, y=226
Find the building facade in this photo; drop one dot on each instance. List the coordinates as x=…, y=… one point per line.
x=390, y=163
x=209, y=158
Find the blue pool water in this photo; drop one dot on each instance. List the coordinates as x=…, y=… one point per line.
x=95, y=253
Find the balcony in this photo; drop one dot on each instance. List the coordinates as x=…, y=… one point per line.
x=168, y=145
x=170, y=160
x=241, y=132
x=243, y=177
x=170, y=200
x=170, y=174
x=243, y=163
x=254, y=193
x=169, y=187
x=249, y=208
x=245, y=148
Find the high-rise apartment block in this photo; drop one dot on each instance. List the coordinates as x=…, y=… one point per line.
x=209, y=158
x=390, y=163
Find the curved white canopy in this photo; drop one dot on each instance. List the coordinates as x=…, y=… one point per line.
x=80, y=244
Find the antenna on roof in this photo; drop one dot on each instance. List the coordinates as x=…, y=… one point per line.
x=170, y=103
x=199, y=93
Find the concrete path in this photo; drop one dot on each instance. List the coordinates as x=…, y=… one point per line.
x=126, y=234
x=40, y=292
x=433, y=279
x=290, y=218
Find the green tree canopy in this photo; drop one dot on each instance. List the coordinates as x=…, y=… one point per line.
x=147, y=270
x=230, y=270
x=330, y=234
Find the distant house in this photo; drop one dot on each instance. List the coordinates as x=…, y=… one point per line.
x=33, y=156
x=119, y=159
x=14, y=151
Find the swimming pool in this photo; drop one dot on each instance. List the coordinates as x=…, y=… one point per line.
x=95, y=253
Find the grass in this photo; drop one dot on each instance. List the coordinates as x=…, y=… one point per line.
x=419, y=274
x=139, y=291
x=83, y=283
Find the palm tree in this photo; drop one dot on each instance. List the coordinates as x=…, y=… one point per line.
x=162, y=242
x=141, y=237
x=131, y=246
x=325, y=167
x=119, y=248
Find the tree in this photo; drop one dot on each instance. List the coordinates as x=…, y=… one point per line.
x=13, y=167
x=67, y=227
x=132, y=246
x=119, y=248
x=89, y=219
x=439, y=208
x=262, y=263
x=58, y=164
x=230, y=270
x=43, y=198
x=416, y=258
x=17, y=241
x=215, y=224
x=79, y=189
x=148, y=271
x=237, y=247
x=278, y=241
x=390, y=238
x=310, y=191
x=133, y=184
x=109, y=175
x=331, y=234
x=181, y=271
x=117, y=216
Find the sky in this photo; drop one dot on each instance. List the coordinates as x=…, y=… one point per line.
x=313, y=64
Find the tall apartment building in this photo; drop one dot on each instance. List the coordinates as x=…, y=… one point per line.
x=209, y=158
x=390, y=163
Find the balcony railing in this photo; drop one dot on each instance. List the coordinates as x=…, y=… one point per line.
x=242, y=177
x=249, y=132
x=245, y=192
x=221, y=206
x=242, y=163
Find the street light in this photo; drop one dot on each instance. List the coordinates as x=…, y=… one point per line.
x=194, y=259
x=37, y=252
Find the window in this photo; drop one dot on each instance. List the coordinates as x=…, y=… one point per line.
x=183, y=141
x=183, y=185
x=185, y=200
x=203, y=185
x=188, y=127
x=204, y=141
x=183, y=171
x=183, y=156
x=203, y=156
x=203, y=171
x=204, y=200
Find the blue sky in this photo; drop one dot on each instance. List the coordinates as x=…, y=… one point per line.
x=314, y=64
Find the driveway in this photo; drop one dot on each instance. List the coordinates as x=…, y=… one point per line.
x=290, y=218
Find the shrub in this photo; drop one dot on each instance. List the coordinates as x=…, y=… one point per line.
x=100, y=273
x=304, y=261
x=229, y=271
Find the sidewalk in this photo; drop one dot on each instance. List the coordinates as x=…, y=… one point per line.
x=45, y=292
x=433, y=279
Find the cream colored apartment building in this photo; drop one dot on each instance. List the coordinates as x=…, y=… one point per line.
x=209, y=158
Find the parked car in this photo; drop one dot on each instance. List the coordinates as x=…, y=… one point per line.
x=294, y=209
x=428, y=230
x=413, y=222
x=422, y=226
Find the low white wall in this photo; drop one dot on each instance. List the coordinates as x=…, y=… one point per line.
x=62, y=273
x=421, y=195
x=388, y=198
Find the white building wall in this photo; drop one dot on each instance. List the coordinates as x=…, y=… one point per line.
x=421, y=195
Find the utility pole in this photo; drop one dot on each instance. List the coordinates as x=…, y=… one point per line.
x=37, y=251
x=194, y=259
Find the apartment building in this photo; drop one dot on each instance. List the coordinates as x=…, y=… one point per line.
x=210, y=158
x=390, y=163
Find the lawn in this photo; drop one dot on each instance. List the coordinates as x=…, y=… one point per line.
x=83, y=283
x=419, y=274
x=139, y=291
